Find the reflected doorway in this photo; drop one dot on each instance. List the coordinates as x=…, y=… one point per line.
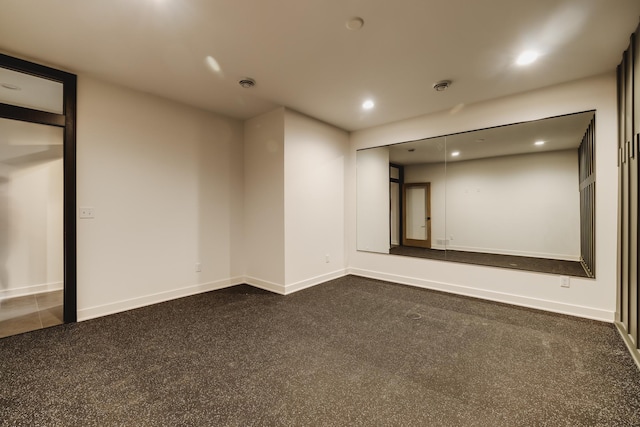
x=417, y=215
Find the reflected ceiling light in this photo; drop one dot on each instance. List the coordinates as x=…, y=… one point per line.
x=527, y=57
x=538, y=143
x=10, y=86
x=368, y=104
x=455, y=154
x=354, y=24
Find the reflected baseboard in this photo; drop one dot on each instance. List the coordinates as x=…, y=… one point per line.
x=31, y=290
x=514, y=262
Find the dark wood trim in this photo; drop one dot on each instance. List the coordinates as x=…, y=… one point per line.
x=70, y=234
x=68, y=121
x=15, y=112
x=400, y=182
x=34, y=69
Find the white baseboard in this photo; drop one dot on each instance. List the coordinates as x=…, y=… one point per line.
x=536, y=303
x=130, y=304
x=304, y=284
x=31, y=290
x=540, y=304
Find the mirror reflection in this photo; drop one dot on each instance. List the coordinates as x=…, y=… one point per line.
x=517, y=196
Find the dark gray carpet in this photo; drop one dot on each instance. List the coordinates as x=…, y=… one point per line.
x=540, y=265
x=350, y=352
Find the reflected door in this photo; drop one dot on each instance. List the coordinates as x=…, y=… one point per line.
x=417, y=215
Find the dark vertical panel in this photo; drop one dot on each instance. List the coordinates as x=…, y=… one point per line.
x=633, y=196
x=635, y=140
x=619, y=266
x=587, y=199
x=624, y=258
x=70, y=263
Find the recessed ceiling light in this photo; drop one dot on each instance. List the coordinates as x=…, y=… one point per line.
x=10, y=86
x=455, y=154
x=527, y=57
x=212, y=64
x=368, y=104
x=538, y=143
x=354, y=24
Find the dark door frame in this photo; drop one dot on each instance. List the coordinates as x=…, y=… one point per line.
x=67, y=120
x=400, y=182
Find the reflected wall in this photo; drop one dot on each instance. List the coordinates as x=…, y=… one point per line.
x=512, y=190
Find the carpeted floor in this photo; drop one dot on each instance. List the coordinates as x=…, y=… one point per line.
x=350, y=352
x=540, y=265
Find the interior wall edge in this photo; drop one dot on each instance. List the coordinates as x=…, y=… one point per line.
x=518, y=300
x=265, y=285
x=146, y=300
x=313, y=281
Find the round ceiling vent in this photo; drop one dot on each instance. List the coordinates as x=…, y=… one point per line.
x=442, y=85
x=247, y=83
x=354, y=24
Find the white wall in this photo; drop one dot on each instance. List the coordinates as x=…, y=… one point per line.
x=264, y=200
x=593, y=298
x=314, y=185
x=31, y=227
x=373, y=200
x=527, y=205
x=165, y=181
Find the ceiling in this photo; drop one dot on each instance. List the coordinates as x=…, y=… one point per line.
x=303, y=56
x=558, y=133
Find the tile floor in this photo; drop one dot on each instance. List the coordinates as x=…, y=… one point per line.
x=30, y=312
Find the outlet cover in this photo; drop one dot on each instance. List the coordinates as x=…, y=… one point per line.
x=86, y=213
x=564, y=281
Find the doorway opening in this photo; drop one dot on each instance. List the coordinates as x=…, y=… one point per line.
x=37, y=196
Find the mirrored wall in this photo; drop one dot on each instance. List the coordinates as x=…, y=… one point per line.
x=518, y=196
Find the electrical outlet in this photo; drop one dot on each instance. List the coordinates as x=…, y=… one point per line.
x=564, y=281
x=327, y=259
x=198, y=267
x=86, y=213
